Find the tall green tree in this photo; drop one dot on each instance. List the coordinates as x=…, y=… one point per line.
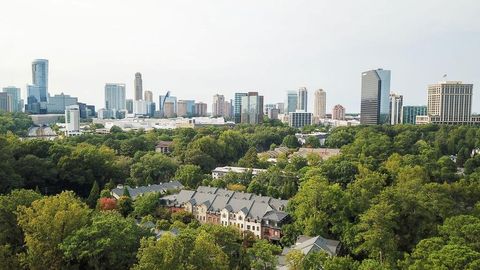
x=94, y=195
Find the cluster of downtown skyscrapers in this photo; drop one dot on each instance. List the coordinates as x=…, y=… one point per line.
x=449, y=102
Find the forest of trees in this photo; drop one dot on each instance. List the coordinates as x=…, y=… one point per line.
x=397, y=197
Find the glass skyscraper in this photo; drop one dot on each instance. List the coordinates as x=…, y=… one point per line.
x=292, y=100
x=16, y=97
x=252, y=108
x=237, y=107
x=115, y=97
x=37, y=92
x=375, y=103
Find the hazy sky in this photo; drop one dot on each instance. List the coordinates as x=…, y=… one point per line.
x=197, y=48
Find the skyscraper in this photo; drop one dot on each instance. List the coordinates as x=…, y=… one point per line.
x=115, y=97
x=450, y=102
x=218, y=106
x=72, y=120
x=396, y=108
x=16, y=97
x=129, y=105
x=302, y=99
x=148, y=96
x=182, y=108
x=410, y=113
x=375, y=103
x=37, y=92
x=252, y=108
x=6, y=102
x=292, y=100
x=58, y=103
x=164, y=99
x=237, y=109
x=200, y=109
x=320, y=104
x=138, y=86
x=338, y=112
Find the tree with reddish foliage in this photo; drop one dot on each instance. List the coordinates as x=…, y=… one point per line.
x=106, y=204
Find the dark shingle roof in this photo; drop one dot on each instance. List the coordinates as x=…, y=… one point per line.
x=139, y=191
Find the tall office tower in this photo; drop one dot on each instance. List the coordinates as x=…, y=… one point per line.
x=272, y=113
x=58, y=103
x=218, y=106
x=299, y=119
x=268, y=107
x=302, y=99
x=91, y=111
x=375, y=103
x=338, y=112
x=227, y=111
x=237, y=108
x=37, y=92
x=148, y=96
x=72, y=120
x=281, y=107
x=182, y=108
x=40, y=78
x=292, y=100
x=6, y=102
x=16, y=97
x=320, y=104
x=252, y=108
x=129, y=105
x=200, y=109
x=169, y=109
x=138, y=86
x=396, y=108
x=410, y=113
x=450, y=102
x=115, y=97
x=190, y=107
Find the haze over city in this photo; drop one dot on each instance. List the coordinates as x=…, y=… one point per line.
x=196, y=49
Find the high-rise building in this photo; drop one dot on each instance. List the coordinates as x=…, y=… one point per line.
x=138, y=86
x=37, y=92
x=167, y=98
x=182, y=108
x=375, y=103
x=410, y=113
x=292, y=100
x=237, y=108
x=200, y=109
x=281, y=107
x=129, y=105
x=115, y=97
x=72, y=120
x=320, y=104
x=272, y=113
x=148, y=96
x=190, y=107
x=16, y=97
x=302, y=99
x=396, y=108
x=6, y=102
x=58, y=103
x=299, y=119
x=252, y=108
x=169, y=109
x=338, y=112
x=450, y=102
x=218, y=106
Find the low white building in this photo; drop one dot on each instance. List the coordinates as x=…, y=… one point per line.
x=221, y=171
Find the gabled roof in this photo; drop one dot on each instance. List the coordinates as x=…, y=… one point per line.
x=275, y=215
x=139, y=191
x=312, y=244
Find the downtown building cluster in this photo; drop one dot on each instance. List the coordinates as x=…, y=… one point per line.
x=449, y=102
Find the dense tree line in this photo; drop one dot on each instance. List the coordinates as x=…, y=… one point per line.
x=397, y=197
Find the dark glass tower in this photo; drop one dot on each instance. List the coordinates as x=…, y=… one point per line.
x=375, y=103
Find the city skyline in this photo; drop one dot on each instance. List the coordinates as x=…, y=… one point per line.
x=419, y=53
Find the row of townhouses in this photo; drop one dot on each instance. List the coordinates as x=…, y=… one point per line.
x=263, y=216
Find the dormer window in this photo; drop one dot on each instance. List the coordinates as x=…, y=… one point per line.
x=239, y=217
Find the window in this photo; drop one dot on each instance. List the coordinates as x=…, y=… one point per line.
x=241, y=226
x=248, y=227
x=239, y=217
x=258, y=228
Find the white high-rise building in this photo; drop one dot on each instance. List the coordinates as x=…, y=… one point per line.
x=320, y=104
x=16, y=97
x=450, y=102
x=72, y=120
x=148, y=96
x=302, y=99
x=138, y=86
x=396, y=108
x=218, y=106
